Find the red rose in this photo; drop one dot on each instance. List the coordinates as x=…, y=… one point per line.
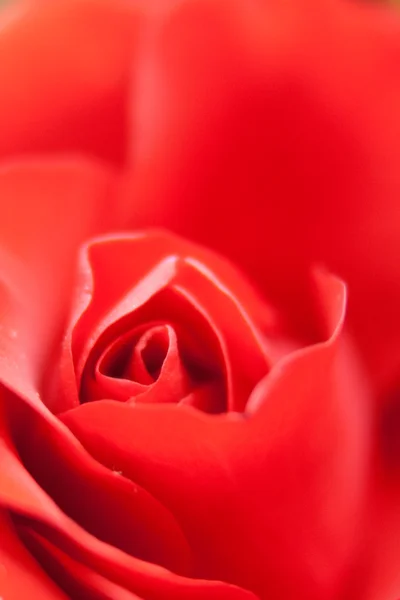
x=175, y=424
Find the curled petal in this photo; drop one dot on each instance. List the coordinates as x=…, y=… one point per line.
x=47, y=530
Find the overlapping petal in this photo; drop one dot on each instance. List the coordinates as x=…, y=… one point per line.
x=19, y=571
x=127, y=287
x=64, y=526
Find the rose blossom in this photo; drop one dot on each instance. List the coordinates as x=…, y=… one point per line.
x=178, y=422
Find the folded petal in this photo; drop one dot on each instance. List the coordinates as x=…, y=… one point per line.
x=19, y=571
x=51, y=520
x=78, y=580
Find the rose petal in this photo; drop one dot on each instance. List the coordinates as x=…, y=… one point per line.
x=375, y=573
x=78, y=580
x=103, y=502
x=64, y=68
x=33, y=508
x=136, y=256
x=19, y=572
x=47, y=208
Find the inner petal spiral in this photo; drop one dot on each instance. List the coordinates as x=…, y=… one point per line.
x=137, y=361
x=155, y=362
x=139, y=357
x=164, y=328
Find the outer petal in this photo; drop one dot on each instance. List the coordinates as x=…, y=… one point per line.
x=47, y=208
x=270, y=131
x=272, y=502
x=70, y=554
x=64, y=69
x=79, y=580
x=376, y=574
x=19, y=572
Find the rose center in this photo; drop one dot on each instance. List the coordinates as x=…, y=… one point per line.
x=140, y=357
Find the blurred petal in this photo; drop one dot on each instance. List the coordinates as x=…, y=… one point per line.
x=47, y=209
x=64, y=69
x=19, y=572
x=375, y=573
